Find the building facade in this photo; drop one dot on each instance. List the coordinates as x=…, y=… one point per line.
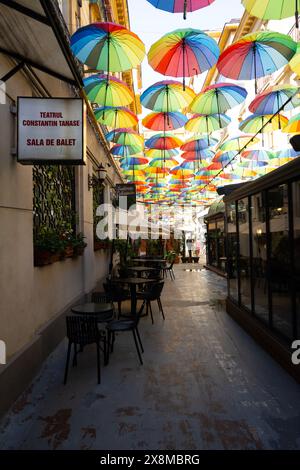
x=36, y=61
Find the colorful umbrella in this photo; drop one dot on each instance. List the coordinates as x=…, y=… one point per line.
x=164, y=121
x=259, y=155
x=295, y=62
x=163, y=142
x=238, y=142
x=163, y=163
x=134, y=161
x=293, y=125
x=180, y=6
x=256, y=55
x=125, y=150
x=184, y=53
x=107, y=46
x=167, y=96
x=255, y=123
x=282, y=97
x=198, y=143
x=115, y=117
x=285, y=153
x=273, y=9
x=108, y=91
x=219, y=98
x=224, y=157
x=207, y=123
x=198, y=155
x=156, y=153
x=125, y=136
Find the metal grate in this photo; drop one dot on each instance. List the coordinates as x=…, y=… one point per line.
x=54, y=198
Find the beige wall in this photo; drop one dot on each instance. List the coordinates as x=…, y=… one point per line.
x=31, y=296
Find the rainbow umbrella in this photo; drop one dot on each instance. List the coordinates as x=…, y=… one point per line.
x=256, y=55
x=108, y=91
x=164, y=121
x=163, y=142
x=162, y=163
x=285, y=153
x=167, y=96
x=238, y=142
x=273, y=9
x=254, y=123
x=184, y=53
x=199, y=143
x=207, y=123
x=218, y=98
x=156, y=153
x=134, y=161
x=259, y=155
x=275, y=98
x=293, y=125
x=125, y=136
x=115, y=117
x=224, y=157
x=107, y=46
x=180, y=6
x=198, y=155
x=125, y=150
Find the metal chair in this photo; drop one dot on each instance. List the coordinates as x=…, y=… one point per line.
x=81, y=331
x=100, y=298
x=169, y=269
x=116, y=294
x=119, y=326
x=153, y=293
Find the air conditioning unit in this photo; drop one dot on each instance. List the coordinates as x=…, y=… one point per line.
x=295, y=142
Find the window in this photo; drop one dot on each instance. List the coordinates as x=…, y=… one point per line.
x=244, y=253
x=279, y=265
x=232, y=245
x=259, y=261
x=296, y=257
x=98, y=199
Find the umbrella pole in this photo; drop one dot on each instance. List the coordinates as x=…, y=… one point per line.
x=262, y=134
x=255, y=69
x=184, y=9
x=107, y=78
x=206, y=118
x=115, y=123
x=297, y=15
x=167, y=92
x=278, y=105
x=183, y=68
x=218, y=107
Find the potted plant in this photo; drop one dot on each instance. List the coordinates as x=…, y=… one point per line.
x=48, y=246
x=78, y=244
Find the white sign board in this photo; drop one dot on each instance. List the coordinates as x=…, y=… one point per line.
x=50, y=130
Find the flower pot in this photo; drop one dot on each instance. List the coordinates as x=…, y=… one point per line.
x=68, y=252
x=42, y=257
x=100, y=245
x=78, y=251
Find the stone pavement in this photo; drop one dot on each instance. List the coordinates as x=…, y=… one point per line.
x=205, y=384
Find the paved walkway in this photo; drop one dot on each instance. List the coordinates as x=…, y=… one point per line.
x=205, y=384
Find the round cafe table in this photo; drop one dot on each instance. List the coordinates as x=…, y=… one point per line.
x=133, y=282
x=141, y=269
x=103, y=312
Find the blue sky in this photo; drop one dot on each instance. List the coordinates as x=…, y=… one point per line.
x=150, y=23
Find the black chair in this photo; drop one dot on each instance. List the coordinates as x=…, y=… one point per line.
x=151, y=294
x=100, y=298
x=169, y=269
x=81, y=331
x=119, y=326
x=116, y=294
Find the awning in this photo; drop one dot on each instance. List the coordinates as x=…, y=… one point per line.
x=33, y=33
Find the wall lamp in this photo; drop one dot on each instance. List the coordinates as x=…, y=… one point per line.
x=99, y=179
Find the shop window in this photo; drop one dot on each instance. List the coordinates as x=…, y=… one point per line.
x=232, y=247
x=244, y=253
x=279, y=267
x=259, y=261
x=296, y=255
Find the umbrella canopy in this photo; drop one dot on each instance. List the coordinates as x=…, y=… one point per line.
x=107, y=46
x=198, y=155
x=167, y=96
x=238, y=142
x=254, y=123
x=180, y=6
x=224, y=157
x=273, y=99
x=219, y=98
x=125, y=136
x=163, y=163
x=164, y=121
x=184, y=53
x=198, y=143
x=293, y=125
x=134, y=161
x=156, y=153
x=272, y=9
x=207, y=123
x=256, y=55
x=285, y=153
x=125, y=150
x=295, y=62
x=259, y=155
x=108, y=91
x=116, y=117
x=163, y=142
